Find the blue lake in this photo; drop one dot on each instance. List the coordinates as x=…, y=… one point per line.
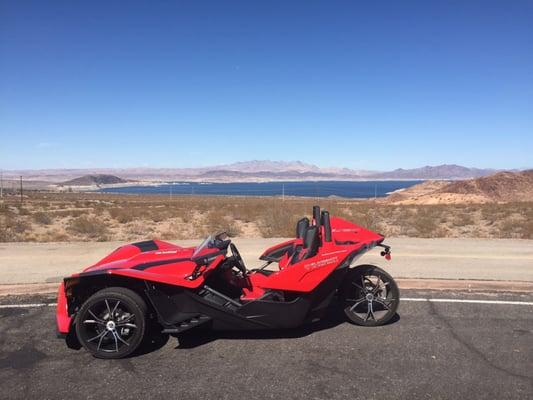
x=352, y=189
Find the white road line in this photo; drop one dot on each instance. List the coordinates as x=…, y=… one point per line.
x=416, y=299
x=28, y=305
x=516, y=303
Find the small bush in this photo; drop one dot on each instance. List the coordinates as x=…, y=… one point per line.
x=42, y=218
x=13, y=229
x=91, y=227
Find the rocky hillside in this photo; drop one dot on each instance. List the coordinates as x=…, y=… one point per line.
x=92, y=180
x=500, y=187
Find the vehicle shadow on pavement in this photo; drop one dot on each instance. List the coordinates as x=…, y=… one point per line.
x=334, y=317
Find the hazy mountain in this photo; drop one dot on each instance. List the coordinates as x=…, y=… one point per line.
x=437, y=172
x=268, y=166
x=256, y=170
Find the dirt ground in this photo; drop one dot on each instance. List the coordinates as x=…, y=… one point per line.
x=71, y=217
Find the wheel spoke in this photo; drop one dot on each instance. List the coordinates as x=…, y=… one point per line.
x=117, y=335
x=128, y=324
x=101, y=334
x=370, y=312
x=93, y=321
x=115, y=308
x=359, y=287
x=377, y=286
x=363, y=283
x=108, y=308
x=352, y=308
x=101, y=338
x=127, y=319
x=116, y=341
x=96, y=318
x=383, y=303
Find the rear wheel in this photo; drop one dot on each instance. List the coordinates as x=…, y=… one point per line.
x=370, y=296
x=112, y=322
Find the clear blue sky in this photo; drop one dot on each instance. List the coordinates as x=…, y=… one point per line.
x=374, y=85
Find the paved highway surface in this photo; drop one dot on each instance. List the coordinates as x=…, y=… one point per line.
x=433, y=350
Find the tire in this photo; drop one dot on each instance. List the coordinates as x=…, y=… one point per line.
x=112, y=323
x=369, y=296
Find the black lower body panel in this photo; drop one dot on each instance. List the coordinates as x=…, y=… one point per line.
x=176, y=305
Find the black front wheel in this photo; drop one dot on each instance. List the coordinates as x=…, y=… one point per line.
x=370, y=296
x=111, y=323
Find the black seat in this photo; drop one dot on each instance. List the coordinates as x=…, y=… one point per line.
x=301, y=227
x=311, y=242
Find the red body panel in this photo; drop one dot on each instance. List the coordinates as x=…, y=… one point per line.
x=163, y=262
x=304, y=276
x=63, y=319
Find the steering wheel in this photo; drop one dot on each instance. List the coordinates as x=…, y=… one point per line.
x=238, y=259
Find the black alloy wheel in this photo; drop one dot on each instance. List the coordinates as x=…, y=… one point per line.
x=370, y=296
x=112, y=322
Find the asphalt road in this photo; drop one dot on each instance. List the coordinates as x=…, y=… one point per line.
x=431, y=351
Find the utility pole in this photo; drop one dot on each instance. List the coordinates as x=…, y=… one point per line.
x=1, y=184
x=283, y=192
x=21, y=190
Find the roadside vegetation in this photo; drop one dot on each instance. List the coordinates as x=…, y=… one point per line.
x=51, y=217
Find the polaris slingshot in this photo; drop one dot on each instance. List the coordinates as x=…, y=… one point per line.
x=110, y=306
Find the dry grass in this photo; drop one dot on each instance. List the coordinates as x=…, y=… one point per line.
x=91, y=228
x=96, y=216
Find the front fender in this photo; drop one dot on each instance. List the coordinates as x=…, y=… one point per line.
x=63, y=319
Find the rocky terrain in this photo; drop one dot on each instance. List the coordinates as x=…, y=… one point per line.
x=502, y=187
x=90, y=180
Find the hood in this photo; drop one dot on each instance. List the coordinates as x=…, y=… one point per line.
x=142, y=253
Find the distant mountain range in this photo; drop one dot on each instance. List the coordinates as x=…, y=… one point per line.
x=252, y=171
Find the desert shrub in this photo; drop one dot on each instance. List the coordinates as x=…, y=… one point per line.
x=138, y=228
x=4, y=208
x=90, y=227
x=278, y=221
x=126, y=214
x=526, y=229
x=425, y=222
x=53, y=236
x=23, y=211
x=507, y=228
x=42, y=218
x=462, y=219
x=13, y=229
x=218, y=221
x=69, y=213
